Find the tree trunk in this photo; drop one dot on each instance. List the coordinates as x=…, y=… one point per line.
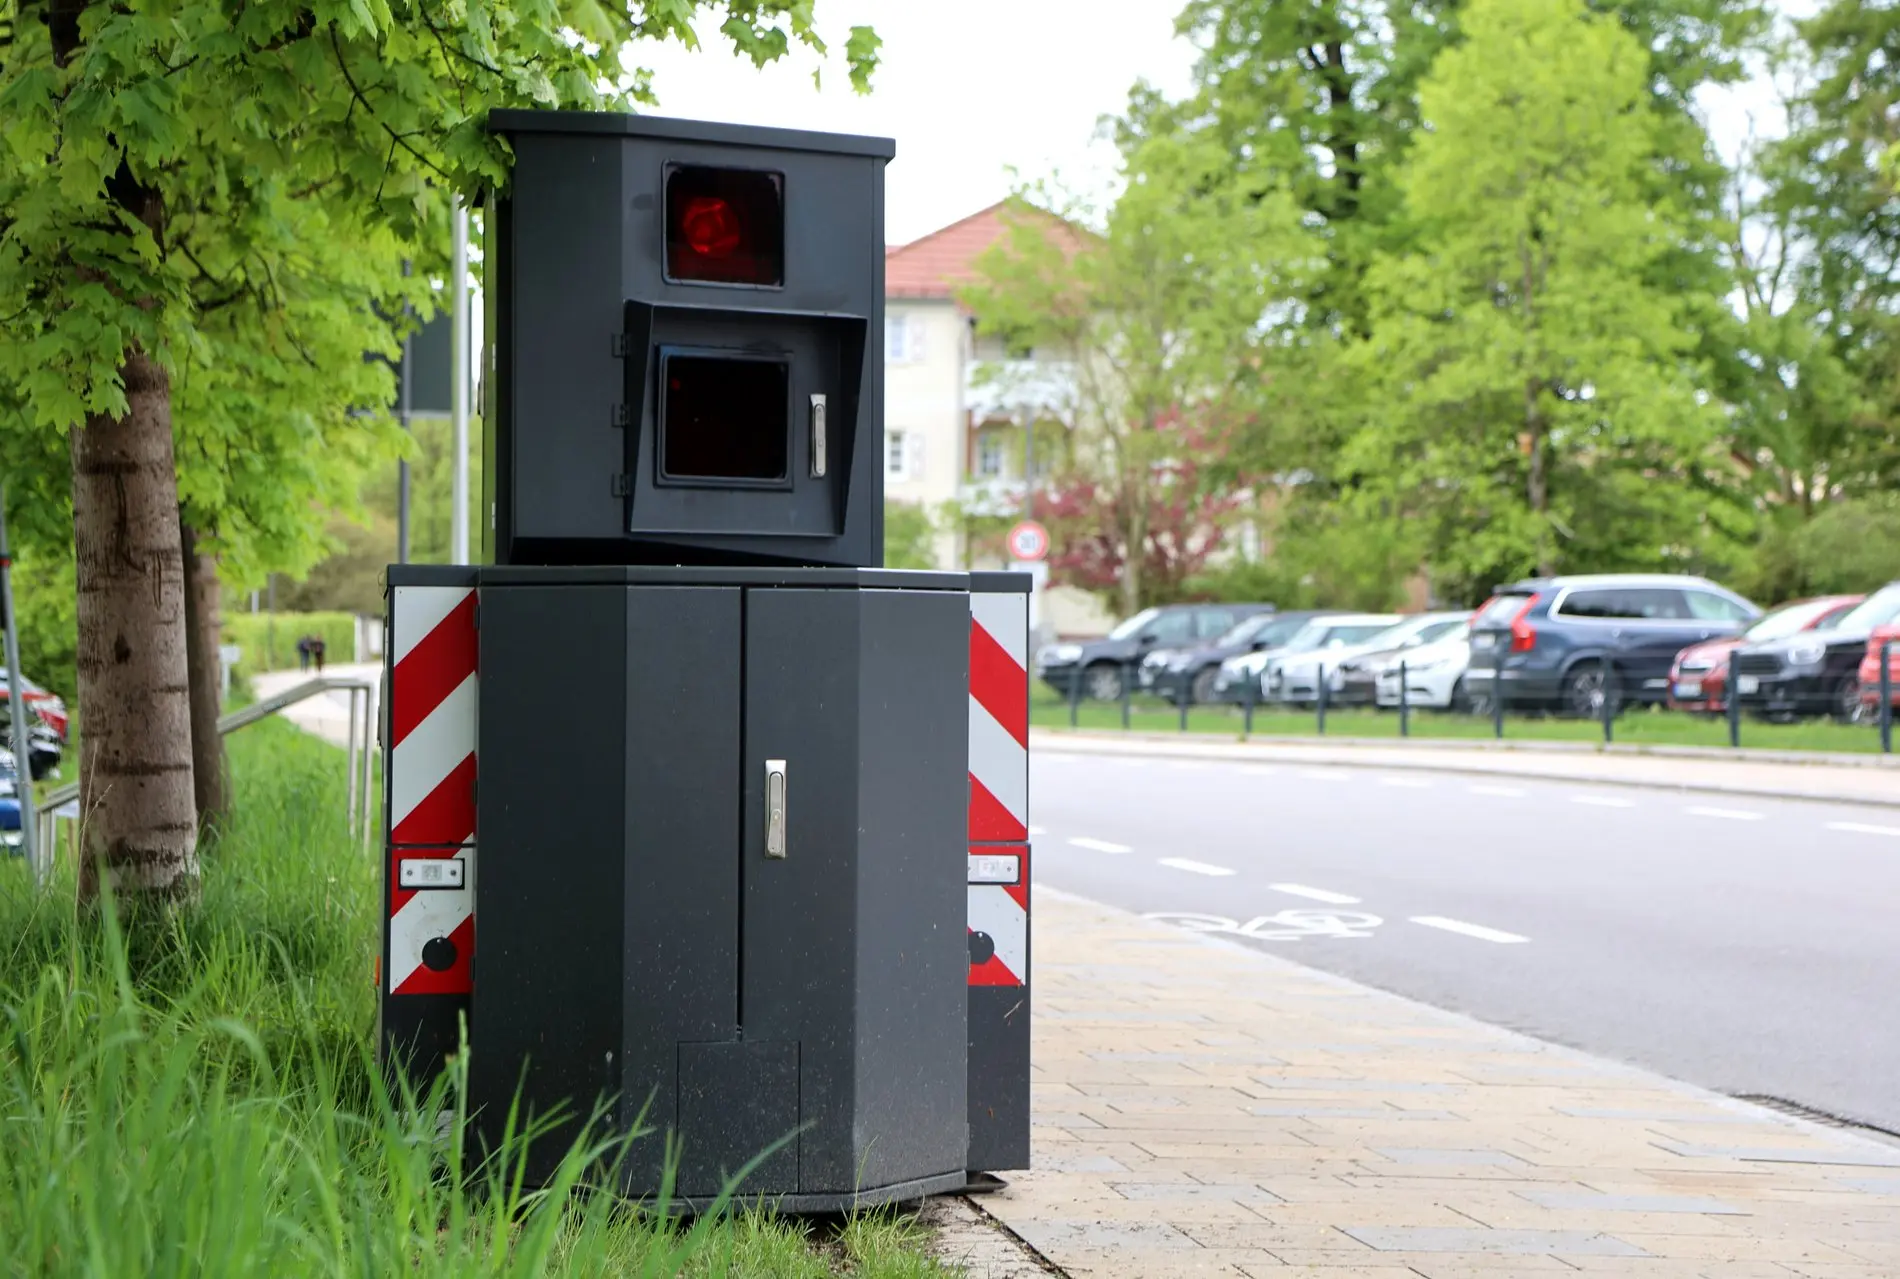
x=139, y=828
x=203, y=621
x=1537, y=487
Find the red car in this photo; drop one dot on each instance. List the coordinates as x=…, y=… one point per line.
x=1870, y=666
x=1699, y=679
x=45, y=704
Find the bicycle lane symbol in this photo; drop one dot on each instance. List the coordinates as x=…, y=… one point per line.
x=1288, y=925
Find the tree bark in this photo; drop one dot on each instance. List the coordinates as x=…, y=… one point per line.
x=203, y=622
x=139, y=830
x=1537, y=486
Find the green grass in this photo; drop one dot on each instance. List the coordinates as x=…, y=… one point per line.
x=1637, y=726
x=196, y=1095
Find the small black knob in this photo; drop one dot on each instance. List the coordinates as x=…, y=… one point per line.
x=982, y=949
x=438, y=953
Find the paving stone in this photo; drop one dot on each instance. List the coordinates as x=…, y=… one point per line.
x=1596, y=1202
x=1555, y=1243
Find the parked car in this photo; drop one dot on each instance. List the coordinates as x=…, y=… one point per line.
x=1196, y=670
x=1355, y=677
x=1887, y=633
x=1097, y=667
x=1813, y=672
x=46, y=704
x=1554, y=643
x=1434, y=673
x=1698, y=682
x=1294, y=675
x=1240, y=677
x=12, y=837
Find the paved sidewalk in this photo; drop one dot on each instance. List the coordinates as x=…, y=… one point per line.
x=1204, y=1108
x=327, y=715
x=1786, y=776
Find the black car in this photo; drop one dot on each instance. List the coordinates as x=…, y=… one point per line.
x=1557, y=643
x=1812, y=672
x=1098, y=667
x=1193, y=669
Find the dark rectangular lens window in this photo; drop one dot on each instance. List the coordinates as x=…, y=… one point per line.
x=725, y=226
x=724, y=419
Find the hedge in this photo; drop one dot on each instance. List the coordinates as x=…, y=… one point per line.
x=252, y=631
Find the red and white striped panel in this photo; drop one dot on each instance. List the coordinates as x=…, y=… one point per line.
x=999, y=789
x=431, y=761
x=999, y=915
x=999, y=717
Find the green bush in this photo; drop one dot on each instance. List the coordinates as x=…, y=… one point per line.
x=253, y=632
x=47, y=604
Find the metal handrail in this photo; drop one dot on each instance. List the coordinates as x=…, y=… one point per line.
x=60, y=796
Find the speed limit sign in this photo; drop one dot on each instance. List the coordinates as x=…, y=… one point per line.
x=1029, y=541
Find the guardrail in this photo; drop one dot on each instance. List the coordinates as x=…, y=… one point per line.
x=60, y=803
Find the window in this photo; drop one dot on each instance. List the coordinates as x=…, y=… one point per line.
x=1210, y=623
x=903, y=339
x=1172, y=628
x=1707, y=606
x=896, y=455
x=989, y=454
x=1629, y=604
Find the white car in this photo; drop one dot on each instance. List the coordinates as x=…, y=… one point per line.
x=1293, y=674
x=1434, y=674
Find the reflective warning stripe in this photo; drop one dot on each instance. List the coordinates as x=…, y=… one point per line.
x=431, y=762
x=999, y=717
x=999, y=784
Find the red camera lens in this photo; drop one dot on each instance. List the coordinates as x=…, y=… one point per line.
x=725, y=226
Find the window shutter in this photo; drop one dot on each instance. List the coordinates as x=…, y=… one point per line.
x=914, y=454
x=913, y=338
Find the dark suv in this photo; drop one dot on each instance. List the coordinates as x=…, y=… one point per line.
x=1555, y=643
x=1813, y=672
x=1100, y=666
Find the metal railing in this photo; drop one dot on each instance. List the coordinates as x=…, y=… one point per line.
x=1610, y=689
x=60, y=803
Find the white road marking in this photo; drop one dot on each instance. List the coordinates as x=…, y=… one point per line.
x=1862, y=828
x=1468, y=930
x=1189, y=764
x=1603, y=801
x=1099, y=845
x=1507, y=792
x=1412, y=783
x=1725, y=814
x=1326, y=774
x=1316, y=894
x=1198, y=868
x=1037, y=830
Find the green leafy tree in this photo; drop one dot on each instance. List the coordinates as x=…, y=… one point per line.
x=167, y=160
x=1161, y=324
x=1532, y=401
x=909, y=536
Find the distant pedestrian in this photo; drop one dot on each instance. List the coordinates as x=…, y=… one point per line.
x=303, y=652
x=316, y=649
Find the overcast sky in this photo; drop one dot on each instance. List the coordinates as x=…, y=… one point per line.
x=968, y=88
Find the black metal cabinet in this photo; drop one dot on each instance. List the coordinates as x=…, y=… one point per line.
x=648, y=938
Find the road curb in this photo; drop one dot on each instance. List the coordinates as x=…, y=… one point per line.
x=1500, y=763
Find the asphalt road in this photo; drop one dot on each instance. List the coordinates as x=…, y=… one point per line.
x=1748, y=945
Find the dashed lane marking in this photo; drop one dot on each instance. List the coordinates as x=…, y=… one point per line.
x=1725, y=814
x=1315, y=894
x=1038, y=830
x=1410, y=783
x=1463, y=929
x=1198, y=868
x=1099, y=845
x=1505, y=792
x=1863, y=828
x=1326, y=774
x=1603, y=801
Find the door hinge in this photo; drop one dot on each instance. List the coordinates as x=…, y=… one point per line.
x=620, y=346
x=617, y=416
x=623, y=485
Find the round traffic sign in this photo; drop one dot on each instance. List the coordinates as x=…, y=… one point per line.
x=1029, y=541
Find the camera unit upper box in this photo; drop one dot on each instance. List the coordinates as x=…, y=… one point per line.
x=682, y=364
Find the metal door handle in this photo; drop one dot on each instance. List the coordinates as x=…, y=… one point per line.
x=818, y=437
x=775, y=808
